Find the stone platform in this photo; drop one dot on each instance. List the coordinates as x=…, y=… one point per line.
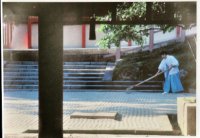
x=141, y=113
x=96, y=115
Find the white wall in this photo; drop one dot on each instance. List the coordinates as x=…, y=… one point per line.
x=34, y=36
x=92, y=43
x=123, y=43
x=160, y=36
x=191, y=31
x=72, y=36
x=19, y=37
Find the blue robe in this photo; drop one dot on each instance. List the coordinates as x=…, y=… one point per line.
x=172, y=78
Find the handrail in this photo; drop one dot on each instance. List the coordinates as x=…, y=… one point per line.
x=191, y=50
x=143, y=48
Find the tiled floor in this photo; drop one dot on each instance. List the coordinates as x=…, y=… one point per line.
x=139, y=111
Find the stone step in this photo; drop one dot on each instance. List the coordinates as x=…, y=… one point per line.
x=95, y=115
x=118, y=87
x=64, y=67
x=65, y=63
x=112, y=82
x=83, y=82
x=76, y=76
x=64, y=74
x=64, y=77
x=20, y=82
x=83, y=78
x=20, y=90
x=19, y=70
x=21, y=66
x=30, y=66
x=23, y=62
x=6, y=74
x=85, y=90
x=85, y=70
x=84, y=74
x=18, y=78
x=64, y=70
x=84, y=67
x=85, y=63
x=21, y=87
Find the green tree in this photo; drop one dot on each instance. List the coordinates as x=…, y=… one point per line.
x=129, y=12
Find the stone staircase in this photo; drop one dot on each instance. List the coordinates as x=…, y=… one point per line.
x=23, y=75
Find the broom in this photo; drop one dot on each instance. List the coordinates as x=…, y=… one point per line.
x=152, y=77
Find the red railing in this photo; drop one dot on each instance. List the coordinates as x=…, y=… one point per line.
x=31, y=20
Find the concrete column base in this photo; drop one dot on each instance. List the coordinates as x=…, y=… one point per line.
x=118, y=53
x=186, y=112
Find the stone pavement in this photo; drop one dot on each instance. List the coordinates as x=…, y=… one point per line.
x=81, y=136
x=140, y=112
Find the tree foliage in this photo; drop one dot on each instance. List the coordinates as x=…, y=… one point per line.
x=128, y=12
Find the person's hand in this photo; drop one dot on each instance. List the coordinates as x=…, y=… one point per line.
x=170, y=67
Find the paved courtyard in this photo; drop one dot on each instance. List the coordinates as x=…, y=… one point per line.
x=139, y=111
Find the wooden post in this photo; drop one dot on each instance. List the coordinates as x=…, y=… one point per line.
x=83, y=36
x=29, y=29
x=51, y=71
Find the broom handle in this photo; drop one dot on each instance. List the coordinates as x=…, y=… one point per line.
x=149, y=78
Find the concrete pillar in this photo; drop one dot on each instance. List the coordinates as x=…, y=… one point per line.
x=4, y=35
x=129, y=43
x=118, y=53
x=190, y=119
x=151, y=39
x=51, y=71
x=182, y=35
x=29, y=29
x=178, y=31
x=7, y=35
x=186, y=113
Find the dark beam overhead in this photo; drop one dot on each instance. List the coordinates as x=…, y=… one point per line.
x=79, y=13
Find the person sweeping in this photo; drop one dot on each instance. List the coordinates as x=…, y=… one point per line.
x=168, y=66
x=172, y=78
